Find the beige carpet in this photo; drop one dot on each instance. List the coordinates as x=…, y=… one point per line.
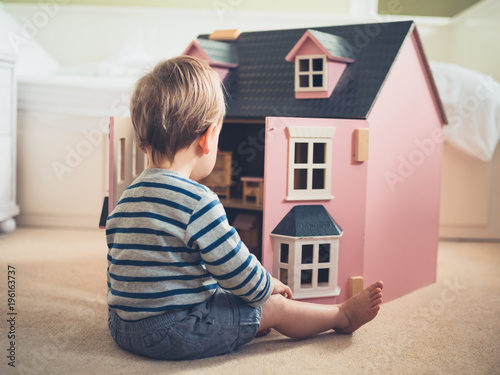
x=451, y=327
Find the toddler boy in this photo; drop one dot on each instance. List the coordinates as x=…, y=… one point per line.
x=181, y=284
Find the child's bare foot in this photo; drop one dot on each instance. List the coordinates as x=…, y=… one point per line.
x=360, y=309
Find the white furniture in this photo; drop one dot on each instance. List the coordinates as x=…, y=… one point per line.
x=63, y=146
x=470, y=203
x=470, y=199
x=8, y=104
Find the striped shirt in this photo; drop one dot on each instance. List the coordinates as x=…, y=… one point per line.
x=170, y=246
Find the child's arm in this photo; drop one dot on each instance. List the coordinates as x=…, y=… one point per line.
x=225, y=256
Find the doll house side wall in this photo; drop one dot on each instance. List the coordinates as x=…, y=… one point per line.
x=348, y=186
x=404, y=174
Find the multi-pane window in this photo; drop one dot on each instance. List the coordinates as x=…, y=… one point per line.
x=309, y=167
x=310, y=73
x=309, y=267
x=315, y=267
x=284, y=253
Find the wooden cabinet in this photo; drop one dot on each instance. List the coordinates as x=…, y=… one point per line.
x=8, y=105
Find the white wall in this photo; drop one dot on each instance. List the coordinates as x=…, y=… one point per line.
x=75, y=34
x=85, y=33
x=476, y=44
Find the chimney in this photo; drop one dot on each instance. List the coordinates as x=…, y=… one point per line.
x=225, y=35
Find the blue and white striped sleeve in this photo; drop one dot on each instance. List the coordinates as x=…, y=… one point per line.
x=225, y=256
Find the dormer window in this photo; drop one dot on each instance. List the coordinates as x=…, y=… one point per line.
x=320, y=60
x=310, y=73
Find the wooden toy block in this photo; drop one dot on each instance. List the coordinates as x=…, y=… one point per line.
x=232, y=34
x=361, y=137
x=355, y=285
x=253, y=188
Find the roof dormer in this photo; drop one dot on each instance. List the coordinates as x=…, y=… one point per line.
x=221, y=56
x=320, y=59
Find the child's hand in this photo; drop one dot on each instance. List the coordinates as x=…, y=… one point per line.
x=280, y=288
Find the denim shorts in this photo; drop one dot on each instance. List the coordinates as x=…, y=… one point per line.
x=217, y=326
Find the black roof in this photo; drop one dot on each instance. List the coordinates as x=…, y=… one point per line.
x=219, y=52
x=263, y=83
x=334, y=44
x=308, y=221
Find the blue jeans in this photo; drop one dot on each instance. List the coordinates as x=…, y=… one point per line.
x=217, y=326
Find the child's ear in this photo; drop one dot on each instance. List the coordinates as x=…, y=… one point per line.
x=205, y=139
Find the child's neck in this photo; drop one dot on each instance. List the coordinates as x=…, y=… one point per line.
x=184, y=162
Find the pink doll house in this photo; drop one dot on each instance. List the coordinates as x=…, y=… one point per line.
x=344, y=125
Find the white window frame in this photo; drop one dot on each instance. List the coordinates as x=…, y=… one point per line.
x=294, y=267
x=310, y=73
x=310, y=135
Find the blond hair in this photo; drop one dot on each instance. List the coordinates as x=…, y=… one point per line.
x=174, y=104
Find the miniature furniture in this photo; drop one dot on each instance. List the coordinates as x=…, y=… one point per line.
x=220, y=179
x=8, y=105
x=253, y=187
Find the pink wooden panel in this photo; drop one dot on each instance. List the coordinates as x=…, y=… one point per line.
x=121, y=128
x=195, y=50
x=222, y=72
x=309, y=47
x=111, y=165
x=348, y=188
x=403, y=180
